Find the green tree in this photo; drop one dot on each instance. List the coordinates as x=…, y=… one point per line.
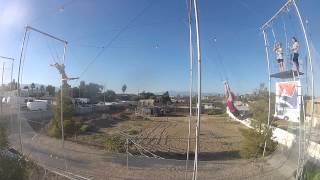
x=32, y=86
x=110, y=96
x=146, y=95
x=42, y=90
x=165, y=98
x=91, y=91
x=51, y=90
x=254, y=139
x=54, y=127
x=124, y=88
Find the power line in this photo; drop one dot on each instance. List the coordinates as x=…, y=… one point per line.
x=115, y=38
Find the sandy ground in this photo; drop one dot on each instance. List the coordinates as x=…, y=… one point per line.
x=167, y=136
x=93, y=162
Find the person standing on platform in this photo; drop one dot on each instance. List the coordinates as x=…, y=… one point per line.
x=295, y=52
x=279, y=54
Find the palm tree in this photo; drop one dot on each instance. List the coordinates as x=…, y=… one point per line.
x=42, y=90
x=124, y=88
x=32, y=87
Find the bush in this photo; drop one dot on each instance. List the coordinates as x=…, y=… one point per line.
x=253, y=143
x=69, y=125
x=11, y=168
x=115, y=144
x=3, y=136
x=124, y=116
x=215, y=112
x=84, y=128
x=133, y=132
x=311, y=171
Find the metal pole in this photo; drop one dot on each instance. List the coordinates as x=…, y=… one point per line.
x=61, y=113
x=46, y=34
x=2, y=74
x=104, y=94
x=300, y=166
x=61, y=109
x=127, y=150
x=18, y=86
x=191, y=83
x=11, y=85
x=195, y=172
x=284, y=7
x=269, y=88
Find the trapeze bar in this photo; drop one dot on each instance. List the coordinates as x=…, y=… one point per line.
x=286, y=74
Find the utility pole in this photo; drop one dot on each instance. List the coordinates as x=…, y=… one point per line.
x=3, y=65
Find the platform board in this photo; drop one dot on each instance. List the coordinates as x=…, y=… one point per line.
x=286, y=74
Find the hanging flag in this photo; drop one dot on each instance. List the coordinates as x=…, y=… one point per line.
x=288, y=100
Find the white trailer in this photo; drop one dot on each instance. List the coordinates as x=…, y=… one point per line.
x=37, y=105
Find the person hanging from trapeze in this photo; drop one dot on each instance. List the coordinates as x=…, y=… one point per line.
x=230, y=100
x=61, y=69
x=280, y=55
x=295, y=52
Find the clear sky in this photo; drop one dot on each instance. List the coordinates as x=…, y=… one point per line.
x=146, y=41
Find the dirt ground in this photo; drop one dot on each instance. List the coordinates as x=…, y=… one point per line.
x=166, y=137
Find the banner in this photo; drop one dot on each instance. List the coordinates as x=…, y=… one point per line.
x=288, y=100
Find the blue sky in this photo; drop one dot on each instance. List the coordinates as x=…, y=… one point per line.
x=150, y=51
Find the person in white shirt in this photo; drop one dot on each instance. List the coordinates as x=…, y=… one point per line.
x=279, y=54
x=295, y=52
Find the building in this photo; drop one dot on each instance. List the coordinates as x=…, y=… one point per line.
x=316, y=121
x=149, y=107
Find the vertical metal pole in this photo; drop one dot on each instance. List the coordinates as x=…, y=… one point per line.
x=2, y=74
x=11, y=85
x=300, y=166
x=61, y=113
x=269, y=88
x=127, y=150
x=104, y=94
x=18, y=86
x=190, y=81
x=61, y=109
x=195, y=172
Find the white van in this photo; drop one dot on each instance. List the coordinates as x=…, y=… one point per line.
x=37, y=105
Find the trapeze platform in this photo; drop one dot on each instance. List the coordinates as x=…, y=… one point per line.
x=286, y=74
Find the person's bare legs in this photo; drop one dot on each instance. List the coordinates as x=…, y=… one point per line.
x=282, y=67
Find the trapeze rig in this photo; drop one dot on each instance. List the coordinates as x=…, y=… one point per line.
x=291, y=81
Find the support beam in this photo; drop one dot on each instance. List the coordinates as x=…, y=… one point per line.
x=284, y=7
x=46, y=34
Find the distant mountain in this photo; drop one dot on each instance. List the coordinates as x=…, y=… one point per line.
x=186, y=93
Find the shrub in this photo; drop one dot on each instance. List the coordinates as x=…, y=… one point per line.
x=84, y=128
x=115, y=144
x=12, y=168
x=253, y=143
x=215, y=112
x=124, y=116
x=3, y=136
x=311, y=171
x=133, y=132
